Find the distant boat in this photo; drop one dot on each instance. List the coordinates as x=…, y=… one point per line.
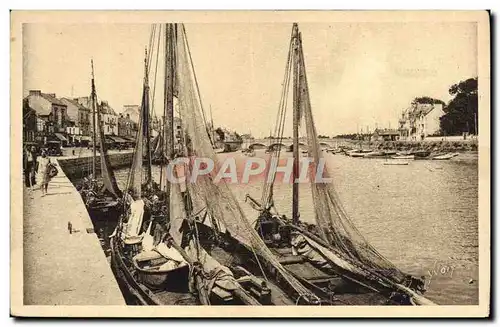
x=445, y=156
x=396, y=162
x=355, y=153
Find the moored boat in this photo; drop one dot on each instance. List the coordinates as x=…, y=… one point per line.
x=331, y=258
x=164, y=251
x=396, y=163
x=445, y=156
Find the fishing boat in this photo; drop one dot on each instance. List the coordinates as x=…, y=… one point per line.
x=175, y=243
x=356, y=153
x=102, y=200
x=445, y=156
x=331, y=258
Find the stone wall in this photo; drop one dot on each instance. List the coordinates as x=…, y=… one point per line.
x=82, y=166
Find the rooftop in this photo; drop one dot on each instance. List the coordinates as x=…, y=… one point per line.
x=51, y=97
x=73, y=107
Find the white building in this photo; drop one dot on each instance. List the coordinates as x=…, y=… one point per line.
x=420, y=120
x=132, y=110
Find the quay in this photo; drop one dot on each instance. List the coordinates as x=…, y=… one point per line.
x=63, y=268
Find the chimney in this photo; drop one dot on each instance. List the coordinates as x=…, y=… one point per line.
x=35, y=92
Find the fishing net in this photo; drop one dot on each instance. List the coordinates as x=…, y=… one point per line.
x=333, y=223
x=219, y=200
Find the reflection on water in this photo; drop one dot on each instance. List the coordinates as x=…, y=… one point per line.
x=423, y=217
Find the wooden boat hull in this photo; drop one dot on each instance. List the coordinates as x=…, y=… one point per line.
x=137, y=292
x=396, y=163
x=161, y=279
x=446, y=156
x=326, y=278
x=233, y=252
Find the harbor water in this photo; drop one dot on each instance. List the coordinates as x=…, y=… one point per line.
x=423, y=217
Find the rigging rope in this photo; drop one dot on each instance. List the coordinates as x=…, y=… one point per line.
x=218, y=198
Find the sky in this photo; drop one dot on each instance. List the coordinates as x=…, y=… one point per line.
x=361, y=75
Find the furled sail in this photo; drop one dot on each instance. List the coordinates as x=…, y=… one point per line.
x=134, y=183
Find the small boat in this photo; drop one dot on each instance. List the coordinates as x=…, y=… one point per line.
x=446, y=156
x=356, y=154
x=396, y=163
x=390, y=152
x=403, y=157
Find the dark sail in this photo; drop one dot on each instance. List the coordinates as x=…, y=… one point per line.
x=107, y=173
x=135, y=176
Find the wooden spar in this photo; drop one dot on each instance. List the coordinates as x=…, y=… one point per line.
x=146, y=120
x=168, y=128
x=94, y=135
x=213, y=128
x=296, y=117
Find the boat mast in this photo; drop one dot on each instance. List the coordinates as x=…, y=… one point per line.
x=213, y=128
x=169, y=102
x=146, y=119
x=94, y=134
x=296, y=117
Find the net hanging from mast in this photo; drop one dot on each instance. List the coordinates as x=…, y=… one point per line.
x=332, y=220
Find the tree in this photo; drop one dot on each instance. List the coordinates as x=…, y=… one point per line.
x=461, y=112
x=427, y=100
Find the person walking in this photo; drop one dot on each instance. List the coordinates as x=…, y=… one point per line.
x=30, y=162
x=43, y=172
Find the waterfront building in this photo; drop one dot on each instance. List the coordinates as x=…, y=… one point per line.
x=132, y=110
x=109, y=117
x=78, y=130
x=385, y=134
x=51, y=113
